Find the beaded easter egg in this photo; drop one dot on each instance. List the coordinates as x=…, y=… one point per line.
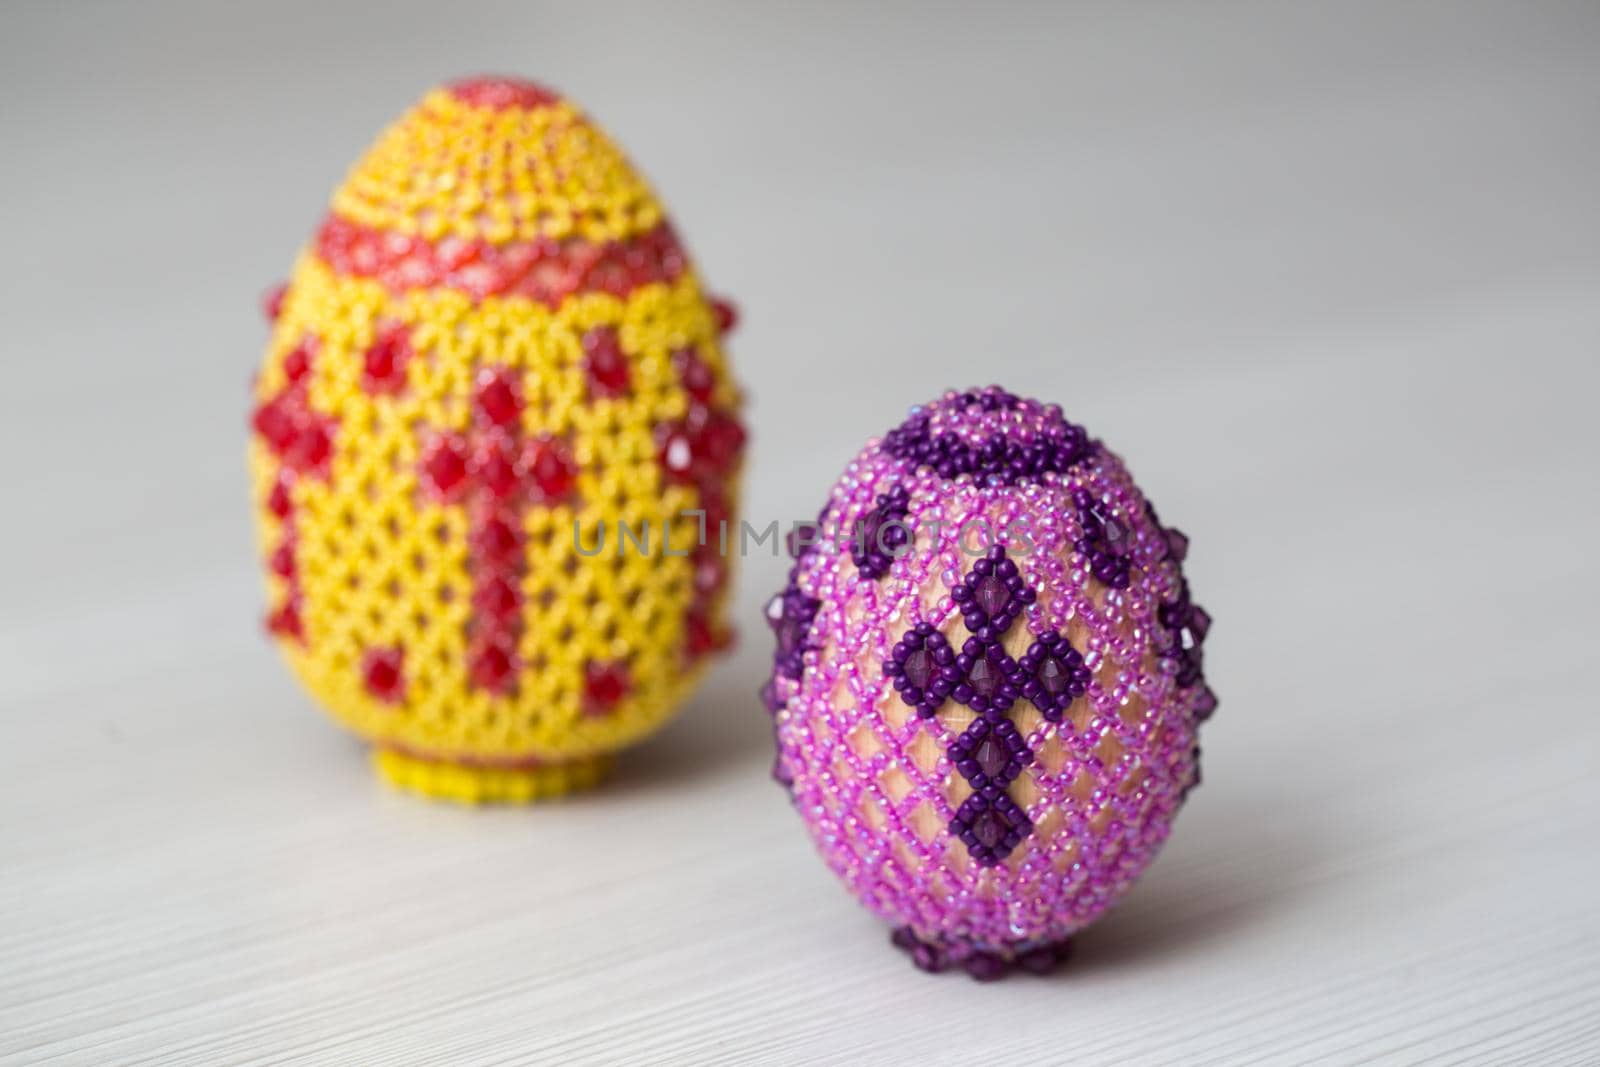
x=987, y=685
x=493, y=355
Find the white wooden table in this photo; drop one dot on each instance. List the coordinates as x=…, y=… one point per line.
x=1328, y=276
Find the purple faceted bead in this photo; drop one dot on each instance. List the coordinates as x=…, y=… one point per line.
x=990, y=829
x=1053, y=675
x=1177, y=543
x=992, y=596
x=799, y=538
x=791, y=634
x=985, y=967
x=992, y=757
x=984, y=677
x=919, y=668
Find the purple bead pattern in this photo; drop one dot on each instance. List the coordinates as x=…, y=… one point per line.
x=923, y=441
x=790, y=614
x=982, y=965
x=989, y=764
x=882, y=535
x=1102, y=541
x=923, y=669
x=1053, y=675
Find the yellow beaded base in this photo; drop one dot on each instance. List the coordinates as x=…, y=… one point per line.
x=465, y=784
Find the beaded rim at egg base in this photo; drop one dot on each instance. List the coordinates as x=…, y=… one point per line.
x=987, y=685
x=494, y=338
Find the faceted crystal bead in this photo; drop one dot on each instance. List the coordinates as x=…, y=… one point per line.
x=383, y=367
x=604, y=686
x=497, y=400
x=989, y=828
x=984, y=677
x=492, y=668
x=444, y=467
x=992, y=757
x=919, y=668
x=992, y=596
x=551, y=469
x=605, y=362
x=1053, y=675
x=383, y=674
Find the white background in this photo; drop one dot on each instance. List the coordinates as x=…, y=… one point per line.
x=1326, y=275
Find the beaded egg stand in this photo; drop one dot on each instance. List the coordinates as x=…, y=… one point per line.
x=987, y=686
x=494, y=349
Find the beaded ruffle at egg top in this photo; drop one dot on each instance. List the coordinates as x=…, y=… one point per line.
x=493, y=351
x=987, y=686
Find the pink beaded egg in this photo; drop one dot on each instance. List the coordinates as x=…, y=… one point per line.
x=987, y=685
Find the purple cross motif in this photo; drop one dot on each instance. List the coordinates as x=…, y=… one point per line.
x=925, y=670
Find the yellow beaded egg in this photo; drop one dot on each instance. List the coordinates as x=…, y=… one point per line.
x=494, y=440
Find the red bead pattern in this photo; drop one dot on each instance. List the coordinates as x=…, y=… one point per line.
x=604, y=686
x=495, y=472
x=546, y=271
x=301, y=440
x=703, y=450
x=383, y=669
x=383, y=367
x=501, y=93
x=505, y=322
x=605, y=363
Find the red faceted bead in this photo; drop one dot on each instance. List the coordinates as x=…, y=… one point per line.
x=444, y=466
x=285, y=621
x=552, y=469
x=721, y=441
x=282, y=559
x=676, y=454
x=696, y=377
x=312, y=447
x=272, y=301
x=702, y=639
x=384, y=365
x=726, y=315
x=278, y=501
x=605, y=362
x=384, y=671
x=499, y=401
x=496, y=467
x=604, y=686
x=297, y=363
x=497, y=540
x=493, y=668
x=275, y=425
x=498, y=600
